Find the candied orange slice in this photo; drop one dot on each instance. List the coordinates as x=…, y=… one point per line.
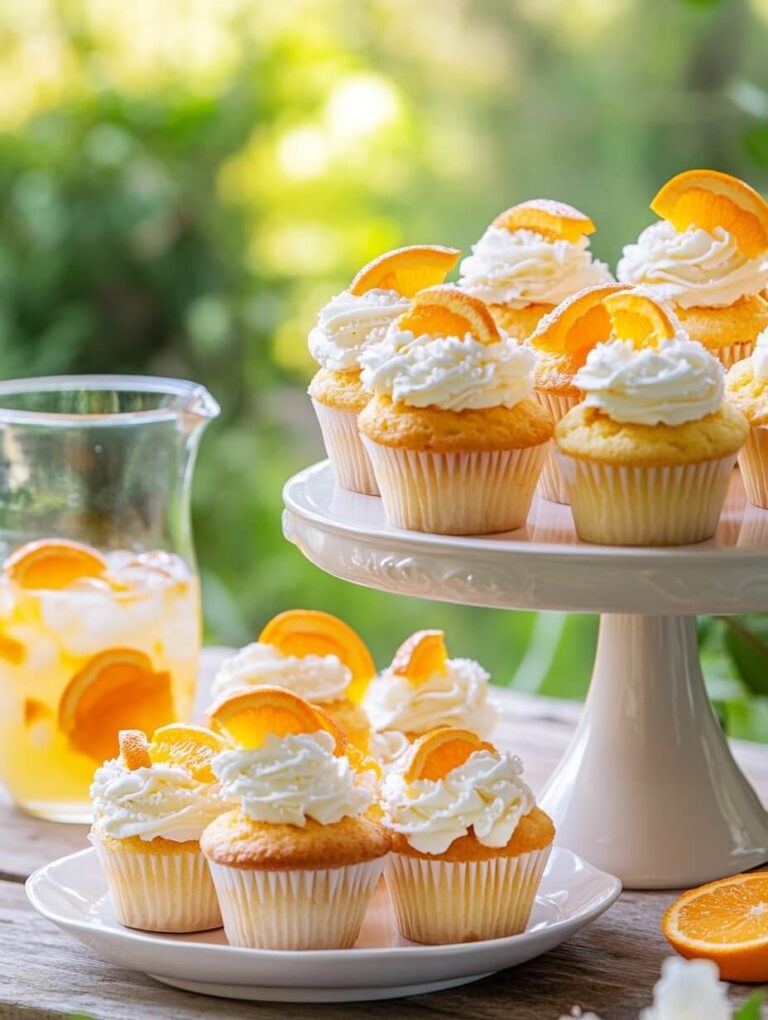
x=247, y=718
x=11, y=650
x=437, y=753
x=134, y=749
x=556, y=221
x=406, y=270
x=638, y=318
x=447, y=311
x=191, y=747
x=53, y=563
x=709, y=199
x=578, y=323
x=303, y=632
x=724, y=921
x=421, y=656
x=116, y=689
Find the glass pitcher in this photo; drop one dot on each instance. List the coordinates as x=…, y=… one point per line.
x=99, y=598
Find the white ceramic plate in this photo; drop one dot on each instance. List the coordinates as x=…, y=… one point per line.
x=71, y=892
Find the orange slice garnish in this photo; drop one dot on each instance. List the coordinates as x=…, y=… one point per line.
x=247, y=718
x=447, y=311
x=406, y=270
x=329, y=724
x=557, y=221
x=724, y=921
x=578, y=323
x=437, y=753
x=12, y=651
x=303, y=632
x=638, y=318
x=421, y=656
x=134, y=749
x=116, y=689
x=709, y=199
x=53, y=563
x=190, y=747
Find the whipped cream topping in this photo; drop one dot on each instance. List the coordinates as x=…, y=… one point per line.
x=486, y=793
x=677, y=382
x=160, y=800
x=454, y=373
x=692, y=267
x=760, y=356
x=456, y=697
x=290, y=779
x=520, y=267
x=316, y=678
x=351, y=322
x=388, y=746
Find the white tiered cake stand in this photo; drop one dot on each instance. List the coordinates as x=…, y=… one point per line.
x=648, y=789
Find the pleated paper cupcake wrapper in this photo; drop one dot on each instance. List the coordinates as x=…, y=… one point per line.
x=438, y=902
x=753, y=461
x=160, y=892
x=297, y=909
x=350, y=464
x=617, y=505
x=732, y=353
x=551, y=484
x=457, y=493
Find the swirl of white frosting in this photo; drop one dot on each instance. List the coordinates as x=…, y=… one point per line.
x=289, y=779
x=486, y=794
x=456, y=374
x=159, y=800
x=520, y=267
x=692, y=267
x=316, y=678
x=351, y=322
x=760, y=356
x=678, y=381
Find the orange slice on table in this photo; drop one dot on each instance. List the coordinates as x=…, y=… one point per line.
x=557, y=221
x=447, y=311
x=421, y=656
x=638, y=318
x=191, y=747
x=437, y=753
x=116, y=689
x=709, y=199
x=134, y=749
x=303, y=632
x=53, y=563
x=247, y=718
x=578, y=323
x=724, y=921
x=406, y=270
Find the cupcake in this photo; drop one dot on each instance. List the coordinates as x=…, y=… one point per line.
x=469, y=845
x=708, y=256
x=424, y=690
x=746, y=387
x=313, y=654
x=531, y=258
x=151, y=804
x=647, y=456
x=350, y=322
x=456, y=441
x=297, y=860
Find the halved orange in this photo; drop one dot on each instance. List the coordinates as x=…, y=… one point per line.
x=134, y=749
x=724, y=921
x=406, y=270
x=447, y=311
x=421, y=656
x=437, y=753
x=191, y=747
x=303, y=632
x=116, y=689
x=246, y=718
x=53, y=563
x=578, y=323
x=11, y=650
x=638, y=318
x=709, y=199
x=553, y=220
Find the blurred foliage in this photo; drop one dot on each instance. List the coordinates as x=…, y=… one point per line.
x=184, y=183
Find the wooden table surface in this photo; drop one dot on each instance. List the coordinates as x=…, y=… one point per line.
x=609, y=967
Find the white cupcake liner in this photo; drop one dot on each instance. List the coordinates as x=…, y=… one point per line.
x=551, y=485
x=297, y=909
x=457, y=493
x=437, y=902
x=731, y=353
x=350, y=464
x=160, y=892
x=622, y=505
x=753, y=461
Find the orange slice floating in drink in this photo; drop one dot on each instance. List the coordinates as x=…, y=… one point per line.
x=303, y=632
x=437, y=753
x=447, y=311
x=12, y=651
x=134, y=749
x=710, y=199
x=578, y=323
x=421, y=656
x=191, y=747
x=247, y=718
x=53, y=564
x=116, y=689
x=638, y=318
x=557, y=221
x=406, y=270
